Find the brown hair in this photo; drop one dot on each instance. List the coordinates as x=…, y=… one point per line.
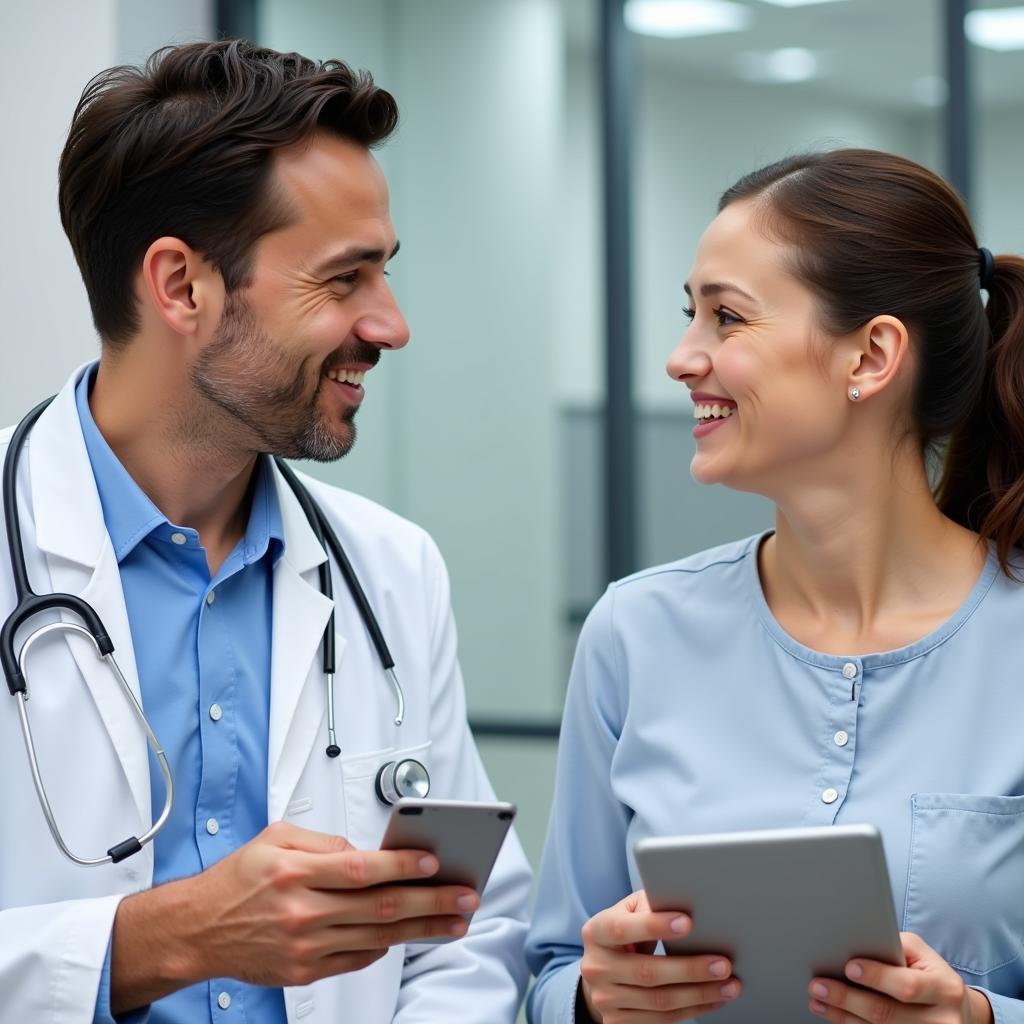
x=873, y=233
x=183, y=147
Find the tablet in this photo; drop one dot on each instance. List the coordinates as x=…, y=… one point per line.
x=785, y=905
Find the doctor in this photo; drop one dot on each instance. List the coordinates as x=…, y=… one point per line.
x=232, y=230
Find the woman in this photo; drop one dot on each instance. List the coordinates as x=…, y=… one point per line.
x=861, y=662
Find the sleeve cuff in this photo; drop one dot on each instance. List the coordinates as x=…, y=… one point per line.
x=102, y=1014
x=1005, y=1010
x=553, y=999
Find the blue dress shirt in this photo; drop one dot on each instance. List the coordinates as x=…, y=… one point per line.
x=691, y=710
x=202, y=648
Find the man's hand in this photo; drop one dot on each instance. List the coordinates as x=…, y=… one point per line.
x=288, y=908
x=926, y=991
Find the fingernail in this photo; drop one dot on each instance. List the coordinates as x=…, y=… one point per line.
x=457, y=928
x=730, y=989
x=820, y=1008
x=428, y=865
x=854, y=970
x=467, y=902
x=819, y=990
x=718, y=969
x=679, y=924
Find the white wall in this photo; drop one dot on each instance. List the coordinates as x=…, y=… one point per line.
x=52, y=49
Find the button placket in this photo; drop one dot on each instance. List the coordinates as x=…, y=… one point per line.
x=838, y=744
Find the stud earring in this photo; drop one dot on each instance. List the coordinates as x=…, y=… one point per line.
x=854, y=394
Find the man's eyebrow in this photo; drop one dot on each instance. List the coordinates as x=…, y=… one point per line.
x=711, y=289
x=355, y=254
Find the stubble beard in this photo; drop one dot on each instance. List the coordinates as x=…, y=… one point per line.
x=273, y=399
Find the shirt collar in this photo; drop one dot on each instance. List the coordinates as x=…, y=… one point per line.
x=129, y=514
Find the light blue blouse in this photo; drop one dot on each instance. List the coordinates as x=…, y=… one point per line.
x=690, y=710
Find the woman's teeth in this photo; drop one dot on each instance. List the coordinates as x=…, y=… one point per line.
x=714, y=412
x=347, y=376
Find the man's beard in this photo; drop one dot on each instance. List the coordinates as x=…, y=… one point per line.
x=246, y=375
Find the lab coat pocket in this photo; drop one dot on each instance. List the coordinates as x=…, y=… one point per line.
x=964, y=882
x=366, y=817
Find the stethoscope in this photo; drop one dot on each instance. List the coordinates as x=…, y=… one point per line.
x=394, y=780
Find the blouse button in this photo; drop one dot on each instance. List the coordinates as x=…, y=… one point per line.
x=830, y=796
x=841, y=738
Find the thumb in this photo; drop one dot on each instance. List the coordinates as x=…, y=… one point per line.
x=291, y=837
x=917, y=951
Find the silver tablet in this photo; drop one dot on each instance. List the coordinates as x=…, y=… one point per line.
x=785, y=905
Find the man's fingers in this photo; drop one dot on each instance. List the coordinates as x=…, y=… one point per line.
x=383, y=936
x=291, y=837
x=360, y=869
x=387, y=903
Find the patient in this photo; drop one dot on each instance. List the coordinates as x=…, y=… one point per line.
x=860, y=662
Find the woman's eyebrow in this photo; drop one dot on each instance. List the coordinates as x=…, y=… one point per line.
x=716, y=288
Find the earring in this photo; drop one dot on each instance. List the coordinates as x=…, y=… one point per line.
x=854, y=394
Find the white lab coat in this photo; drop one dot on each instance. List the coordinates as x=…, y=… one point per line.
x=56, y=917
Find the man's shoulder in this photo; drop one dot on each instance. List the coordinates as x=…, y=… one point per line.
x=368, y=526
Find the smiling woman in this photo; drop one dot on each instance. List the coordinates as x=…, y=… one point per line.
x=840, y=337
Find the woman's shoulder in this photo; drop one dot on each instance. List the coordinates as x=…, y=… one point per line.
x=726, y=562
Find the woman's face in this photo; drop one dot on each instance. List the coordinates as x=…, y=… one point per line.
x=754, y=349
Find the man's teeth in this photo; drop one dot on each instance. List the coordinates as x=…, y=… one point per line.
x=714, y=412
x=347, y=376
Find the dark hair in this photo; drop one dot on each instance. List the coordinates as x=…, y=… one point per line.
x=873, y=233
x=183, y=147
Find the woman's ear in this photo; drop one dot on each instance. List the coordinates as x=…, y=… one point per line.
x=880, y=348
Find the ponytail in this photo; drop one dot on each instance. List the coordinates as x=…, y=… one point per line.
x=982, y=485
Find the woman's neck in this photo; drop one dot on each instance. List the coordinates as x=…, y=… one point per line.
x=867, y=562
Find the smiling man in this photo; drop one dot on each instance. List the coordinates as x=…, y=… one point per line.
x=232, y=228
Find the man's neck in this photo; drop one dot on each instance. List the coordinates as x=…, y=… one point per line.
x=174, y=452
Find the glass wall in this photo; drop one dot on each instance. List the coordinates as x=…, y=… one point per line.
x=995, y=31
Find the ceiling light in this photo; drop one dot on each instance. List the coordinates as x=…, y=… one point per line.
x=1001, y=29
x=798, y=3
x=791, y=64
x=677, y=18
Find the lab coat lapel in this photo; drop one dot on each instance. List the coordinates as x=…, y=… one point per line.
x=297, y=695
x=70, y=531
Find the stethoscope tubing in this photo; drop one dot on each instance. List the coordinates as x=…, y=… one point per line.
x=28, y=604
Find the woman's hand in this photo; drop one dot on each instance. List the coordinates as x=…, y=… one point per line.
x=926, y=991
x=624, y=983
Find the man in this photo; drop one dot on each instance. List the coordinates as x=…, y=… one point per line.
x=232, y=230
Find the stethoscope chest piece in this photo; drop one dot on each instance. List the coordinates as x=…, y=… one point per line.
x=397, y=779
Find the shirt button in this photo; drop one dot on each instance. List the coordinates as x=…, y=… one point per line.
x=850, y=670
x=211, y=597
x=830, y=796
x=223, y=1000
x=179, y=538
x=217, y=713
x=840, y=737
x=213, y=827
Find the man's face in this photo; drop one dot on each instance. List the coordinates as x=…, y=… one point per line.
x=290, y=351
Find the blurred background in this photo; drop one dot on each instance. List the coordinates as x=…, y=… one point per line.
x=556, y=164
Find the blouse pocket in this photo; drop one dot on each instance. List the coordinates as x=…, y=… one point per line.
x=366, y=816
x=965, y=877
